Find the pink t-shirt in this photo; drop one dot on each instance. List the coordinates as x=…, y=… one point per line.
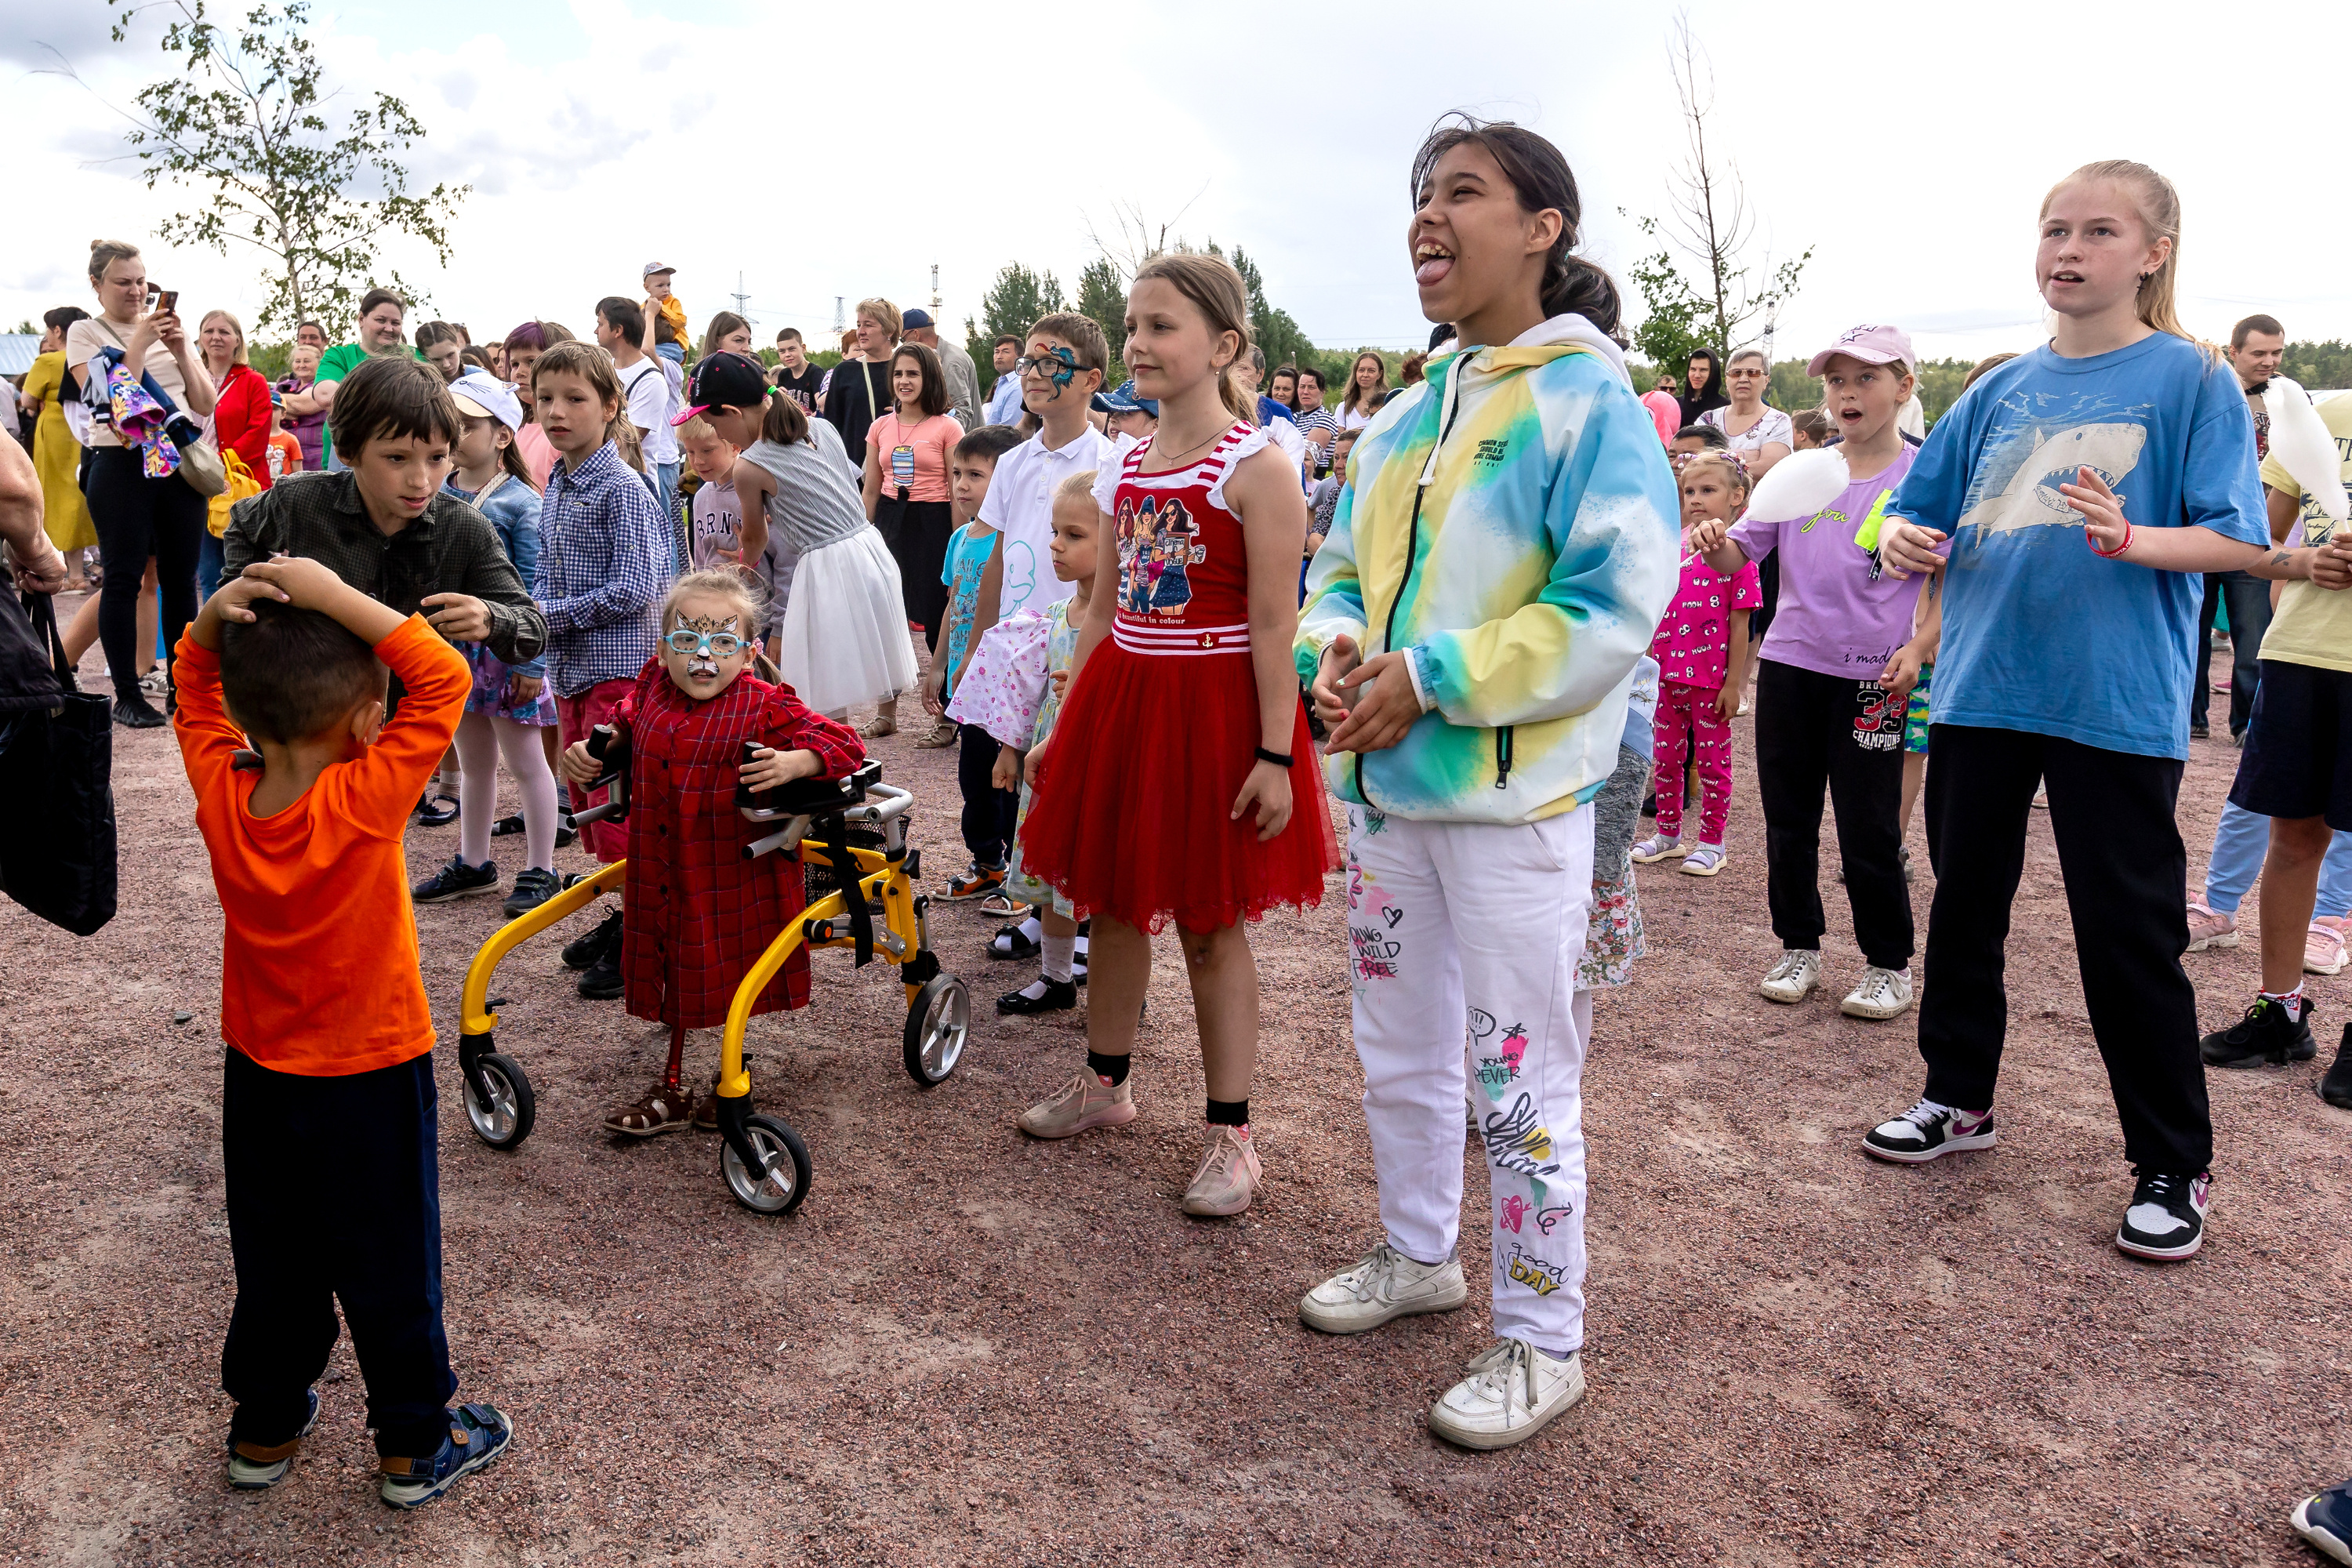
x=538, y=453
x=1693, y=646
x=914, y=455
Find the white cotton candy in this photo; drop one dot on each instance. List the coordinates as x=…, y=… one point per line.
x=1800, y=485
x=2300, y=441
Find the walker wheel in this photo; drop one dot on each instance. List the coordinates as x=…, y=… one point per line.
x=938, y=1022
x=787, y=1180
x=505, y=1120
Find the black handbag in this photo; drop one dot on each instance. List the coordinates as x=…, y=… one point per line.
x=56, y=766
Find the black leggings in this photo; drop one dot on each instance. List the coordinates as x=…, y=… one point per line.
x=138, y=517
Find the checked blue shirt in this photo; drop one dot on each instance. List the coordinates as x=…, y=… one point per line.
x=603, y=563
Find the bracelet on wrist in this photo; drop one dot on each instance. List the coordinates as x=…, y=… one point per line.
x=2118, y=550
x=1277, y=758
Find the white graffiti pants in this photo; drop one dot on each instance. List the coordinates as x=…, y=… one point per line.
x=1464, y=928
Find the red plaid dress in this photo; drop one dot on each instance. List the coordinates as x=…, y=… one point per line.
x=697, y=914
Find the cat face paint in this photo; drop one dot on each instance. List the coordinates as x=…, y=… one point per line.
x=702, y=671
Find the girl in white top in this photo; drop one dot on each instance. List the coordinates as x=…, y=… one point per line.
x=1761, y=434
x=1367, y=384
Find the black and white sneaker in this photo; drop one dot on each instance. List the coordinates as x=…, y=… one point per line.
x=2265, y=1035
x=1928, y=1130
x=2167, y=1217
x=456, y=880
x=2325, y=1519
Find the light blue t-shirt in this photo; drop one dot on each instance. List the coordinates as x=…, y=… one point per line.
x=2041, y=635
x=967, y=561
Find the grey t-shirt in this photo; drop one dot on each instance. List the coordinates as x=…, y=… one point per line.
x=815, y=502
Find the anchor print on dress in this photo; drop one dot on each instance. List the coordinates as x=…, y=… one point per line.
x=1158, y=543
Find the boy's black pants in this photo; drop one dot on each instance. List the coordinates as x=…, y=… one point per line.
x=1816, y=732
x=2125, y=871
x=989, y=813
x=335, y=1193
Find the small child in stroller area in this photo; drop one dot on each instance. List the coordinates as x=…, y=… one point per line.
x=697, y=913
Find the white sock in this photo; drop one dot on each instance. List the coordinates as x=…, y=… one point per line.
x=1058, y=950
x=1035, y=989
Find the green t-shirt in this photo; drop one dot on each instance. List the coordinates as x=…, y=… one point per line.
x=337, y=365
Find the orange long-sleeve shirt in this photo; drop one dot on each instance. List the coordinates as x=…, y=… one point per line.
x=319, y=963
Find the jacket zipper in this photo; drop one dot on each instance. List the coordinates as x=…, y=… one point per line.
x=1503, y=757
x=1411, y=546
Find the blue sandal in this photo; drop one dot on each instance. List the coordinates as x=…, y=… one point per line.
x=478, y=1434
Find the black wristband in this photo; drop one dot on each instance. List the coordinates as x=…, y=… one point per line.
x=1277, y=758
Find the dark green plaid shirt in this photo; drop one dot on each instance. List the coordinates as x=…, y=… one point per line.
x=452, y=549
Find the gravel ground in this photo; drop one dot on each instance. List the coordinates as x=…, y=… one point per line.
x=973, y=1348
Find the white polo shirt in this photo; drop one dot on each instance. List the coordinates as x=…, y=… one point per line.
x=1020, y=506
x=644, y=388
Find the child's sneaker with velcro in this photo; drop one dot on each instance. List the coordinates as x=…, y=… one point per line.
x=974, y=881
x=254, y=1468
x=478, y=1434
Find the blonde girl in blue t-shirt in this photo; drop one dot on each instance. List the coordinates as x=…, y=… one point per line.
x=2077, y=490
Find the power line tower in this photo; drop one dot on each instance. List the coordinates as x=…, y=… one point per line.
x=838, y=325
x=742, y=301
x=935, y=294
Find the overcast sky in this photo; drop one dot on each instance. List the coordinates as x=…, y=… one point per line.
x=841, y=151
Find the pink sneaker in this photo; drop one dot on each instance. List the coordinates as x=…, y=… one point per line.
x=1081, y=1105
x=2323, y=945
x=1228, y=1177
x=2207, y=929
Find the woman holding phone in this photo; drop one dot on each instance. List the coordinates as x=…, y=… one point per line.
x=138, y=514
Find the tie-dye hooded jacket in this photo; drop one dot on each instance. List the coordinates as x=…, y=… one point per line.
x=1511, y=524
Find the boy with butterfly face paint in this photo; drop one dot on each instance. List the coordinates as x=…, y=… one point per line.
x=697, y=913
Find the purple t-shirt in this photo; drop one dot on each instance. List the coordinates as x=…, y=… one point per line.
x=1833, y=616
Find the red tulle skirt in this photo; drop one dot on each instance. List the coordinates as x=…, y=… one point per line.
x=1131, y=817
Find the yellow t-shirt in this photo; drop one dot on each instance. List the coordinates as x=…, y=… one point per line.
x=2313, y=624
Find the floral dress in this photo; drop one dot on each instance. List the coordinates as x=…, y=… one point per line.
x=1061, y=647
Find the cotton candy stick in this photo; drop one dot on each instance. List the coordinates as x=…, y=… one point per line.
x=2301, y=442
x=1800, y=485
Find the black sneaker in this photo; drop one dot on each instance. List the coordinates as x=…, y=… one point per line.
x=1060, y=996
x=532, y=888
x=136, y=712
x=2325, y=1519
x=1928, y=1130
x=566, y=835
x=2166, y=1218
x=456, y=880
x=583, y=950
x=602, y=981
x=2264, y=1035
x=2200, y=731
x=2335, y=1085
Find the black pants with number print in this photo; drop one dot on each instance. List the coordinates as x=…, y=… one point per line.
x=1816, y=730
x=2124, y=868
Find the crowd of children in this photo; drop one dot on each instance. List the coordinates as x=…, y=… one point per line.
x=1529, y=598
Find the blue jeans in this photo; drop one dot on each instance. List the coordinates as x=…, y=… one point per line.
x=211, y=557
x=664, y=477
x=2242, y=840
x=2248, y=599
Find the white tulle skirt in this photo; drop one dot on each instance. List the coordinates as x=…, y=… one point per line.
x=845, y=639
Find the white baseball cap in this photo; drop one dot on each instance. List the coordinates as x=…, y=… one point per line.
x=480, y=395
x=654, y=267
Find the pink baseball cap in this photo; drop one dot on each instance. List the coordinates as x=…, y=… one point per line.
x=1871, y=346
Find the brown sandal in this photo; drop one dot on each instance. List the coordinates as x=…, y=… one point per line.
x=663, y=1109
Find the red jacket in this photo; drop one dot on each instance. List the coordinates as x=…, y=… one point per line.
x=697, y=914
x=241, y=419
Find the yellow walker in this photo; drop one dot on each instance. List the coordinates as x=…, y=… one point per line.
x=858, y=820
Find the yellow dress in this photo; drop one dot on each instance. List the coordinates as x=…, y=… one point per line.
x=57, y=455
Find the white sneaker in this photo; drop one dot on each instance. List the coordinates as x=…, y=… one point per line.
x=1512, y=1394
x=1383, y=1286
x=1793, y=978
x=1655, y=847
x=1883, y=994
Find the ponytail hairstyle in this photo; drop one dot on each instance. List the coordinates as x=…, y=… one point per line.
x=1216, y=291
x=1727, y=463
x=784, y=422
x=594, y=366
x=1540, y=178
x=2159, y=209
x=105, y=253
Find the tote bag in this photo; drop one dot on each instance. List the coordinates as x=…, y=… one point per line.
x=57, y=764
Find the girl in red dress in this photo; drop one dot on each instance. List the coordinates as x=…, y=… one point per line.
x=697, y=914
x=1180, y=782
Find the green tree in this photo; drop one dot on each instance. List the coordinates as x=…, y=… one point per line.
x=1102, y=296
x=2318, y=367
x=1012, y=304
x=243, y=119
x=1669, y=332
x=1276, y=332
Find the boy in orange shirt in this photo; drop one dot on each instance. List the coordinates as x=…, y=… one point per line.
x=330, y=1062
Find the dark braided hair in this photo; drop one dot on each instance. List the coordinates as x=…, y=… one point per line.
x=1540, y=177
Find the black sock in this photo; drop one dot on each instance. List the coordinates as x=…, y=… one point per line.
x=1229, y=1114
x=1112, y=1070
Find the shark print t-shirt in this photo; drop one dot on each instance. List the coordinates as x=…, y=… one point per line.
x=2041, y=635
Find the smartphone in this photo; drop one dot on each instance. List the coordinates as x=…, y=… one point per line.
x=167, y=304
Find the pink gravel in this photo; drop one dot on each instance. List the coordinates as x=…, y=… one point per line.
x=973, y=1348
